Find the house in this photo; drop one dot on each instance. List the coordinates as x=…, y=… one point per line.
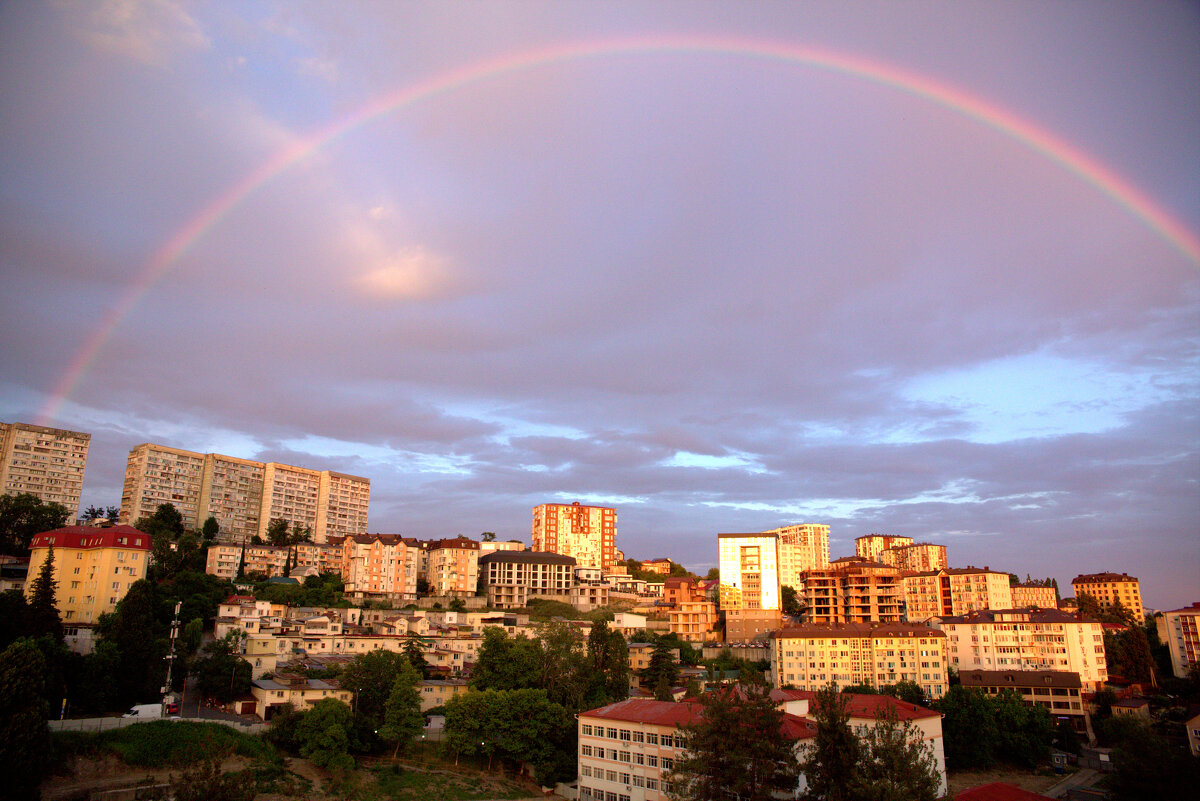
x=302, y=693
x=1059, y=691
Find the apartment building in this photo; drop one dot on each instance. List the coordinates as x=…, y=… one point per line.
x=42, y=461
x=1108, y=588
x=93, y=569
x=872, y=545
x=854, y=590
x=492, y=546
x=1180, y=630
x=955, y=591
x=512, y=578
x=1027, y=639
x=659, y=566
x=695, y=621
x=382, y=566
x=1061, y=693
x=1033, y=593
x=588, y=533
x=749, y=589
x=875, y=654
x=453, y=567
x=801, y=547
x=243, y=495
x=918, y=557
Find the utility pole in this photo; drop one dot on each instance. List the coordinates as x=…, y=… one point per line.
x=170, y=657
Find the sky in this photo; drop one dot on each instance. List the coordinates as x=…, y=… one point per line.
x=926, y=269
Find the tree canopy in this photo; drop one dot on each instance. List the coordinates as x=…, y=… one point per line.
x=402, y=719
x=981, y=729
x=22, y=516
x=518, y=725
x=24, y=736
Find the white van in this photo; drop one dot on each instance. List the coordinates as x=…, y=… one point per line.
x=144, y=711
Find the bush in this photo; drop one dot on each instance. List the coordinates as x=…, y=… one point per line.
x=163, y=743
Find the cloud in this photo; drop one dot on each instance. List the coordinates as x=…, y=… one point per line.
x=324, y=68
x=410, y=273
x=149, y=31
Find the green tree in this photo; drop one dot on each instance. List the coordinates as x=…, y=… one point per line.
x=831, y=761
x=22, y=516
x=402, y=719
x=661, y=668
x=323, y=735
x=138, y=632
x=43, y=611
x=1145, y=766
x=908, y=691
x=896, y=763
x=277, y=532
x=488, y=536
x=969, y=730
x=210, y=529
x=24, y=736
x=518, y=725
x=607, y=666
x=371, y=676
x=414, y=655
x=222, y=674
x=458, y=605
x=1089, y=606
x=735, y=750
x=790, y=601
x=506, y=663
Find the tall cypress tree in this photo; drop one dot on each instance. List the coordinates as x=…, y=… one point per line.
x=43, y=614
x=831, y=763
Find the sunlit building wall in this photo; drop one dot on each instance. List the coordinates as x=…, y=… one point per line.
x=42, y=461
x=588, y=533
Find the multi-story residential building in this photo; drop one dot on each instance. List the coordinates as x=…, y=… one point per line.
x=1033, y=593
x=223, y=560
x=750, y=586
x=854, y=590
x=872, y=545
x=875, y=654
x=383, y=566
x=918, y=557
x=93, y=569
x=42, y=461
x=242, y=495
x=453, y=567
x=326, y=557
x=512, y=578
x=265, y=560
x=1027, y=639
x=695, y=621
x=1180, y=630
x=271, y=695
x=492, y=546
x=802, y=547
x=660, y=566
x=1060, y=692
x=955, y=591
x=682, y=589
x=1108, y=588
x=588, y=533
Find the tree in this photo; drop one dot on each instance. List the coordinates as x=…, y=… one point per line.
x=790, y=601
x=402, y=719
x=488, y=536
x=713, y=574
x=458, y=605
x=92, y=513
x=22, y=516
x=223, y=674
x=830, y=762
x=735, y=749
x=211, y=528
x=908, y=691
x=324, y=735
x=139, y=634
x=277, y=532
x=519, y=725
x=661, y=670
x=414, y=655
x=896, y=763
x=112, y=513
x=1089, y=607
x=24, y=736
x=1145, y=766
x=506, y=663
x=43, y=612
x=371, y=676
x=607, y=666
x=206, y=782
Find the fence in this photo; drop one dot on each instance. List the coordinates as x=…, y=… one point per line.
x=107, y=724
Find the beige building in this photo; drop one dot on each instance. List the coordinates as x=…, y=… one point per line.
x=918, y=557
x=588, y=533
x=1027, y=639
x=302, y=693
x=955, y=591
x=243, y=495
x=750, y=587
x=1060, y=692
x=872, y=545
x=453, y=567
x=874, y=654
x=695, y=621
x=802, y=547
x=854, y=590
x=42, y=461
x=93, y=568
x=1180, y=630
x=512, y=578
x=382, y=566
x=1108, y=588
x=1043, y=596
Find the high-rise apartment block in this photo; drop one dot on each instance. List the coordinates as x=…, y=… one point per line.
x=244, y=496
x=382, y=566
x=1180, y=630
x=749, y=590
x=802, y=547
x=588, y=533
x=920, y=556
x=93, y=569
x=453, y=567
x=955, y=591
x=42, y=461
x=1108, y=588
x=1027, y=639
x=1032, y=593
x=870, y=546
x=854, y=590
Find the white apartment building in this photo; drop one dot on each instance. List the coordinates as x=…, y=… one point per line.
x=42, y=461
x=802, y=547
x=231, y=492
x=955, y=591
x=872, y=545
x=874, y=654
x=1180, y=630
x=919, y=557
x=749, y=591
x=1027, y=639
x=588, y=533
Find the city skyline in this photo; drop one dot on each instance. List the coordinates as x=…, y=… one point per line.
x=924, y=270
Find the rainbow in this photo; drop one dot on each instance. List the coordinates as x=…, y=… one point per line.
x=1069, y=157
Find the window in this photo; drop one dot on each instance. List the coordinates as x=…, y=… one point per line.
x=612, y=734
x=652, y=761
x=623, y=756
x=639, y=759
x=652, y=739
x=586, y=750
x=667, y=763
x=639, y=737
x=611, y=775
x=624, y=734
x=586, y=770
x=586, y=729
x=667, y=741
x=639, y=781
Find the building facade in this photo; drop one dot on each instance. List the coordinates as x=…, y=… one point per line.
x=848, y=654
x=512, y=578
x=854, y=590
x=1180, y=630
x=93, y=568
x=453, y=567
x=588, y=533
x=872, y=545
x=750, y=592
x=383, y=566
x=1108, y=588
x=1043, y=596
x=42, y=461
x=919, y=557
x=242, y=495
x=1061, y=693
x=802, y=547
x=955, y=591
x=1027, y=639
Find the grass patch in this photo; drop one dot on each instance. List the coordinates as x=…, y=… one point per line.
x=396, y=784
x=163, y=744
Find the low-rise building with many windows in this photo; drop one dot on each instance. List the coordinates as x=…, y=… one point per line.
x=511, y=578
x=847, y=654
x=955, y=591
x=1034, y=593
x=1060, y=692
x=1109, y=588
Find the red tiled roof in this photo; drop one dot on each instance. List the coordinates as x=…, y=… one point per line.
x=999, y=791
x=92, y=537
x=682, y=713
x=870, y=707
